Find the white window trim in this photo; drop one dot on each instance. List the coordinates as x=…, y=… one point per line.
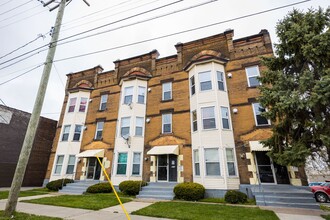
x=235, y=162
x=96, y=130
x=141, y=127
x=219, y=157
x=138, y=94
x=55, y=164
x=223, y=81
x=229, y=118
x=215, y=119
x=121, y=125
x=169, y=113
x=192, y=121
x=74, y=165
x=248, y=77
x=163, y=91
x=140, y=168
x=199, y=81
x=255, y=117
x=121, y=152
x=83, y=105
x=74, y=132
x=127, y=95
x=190, y=85
x=199, y=162
x=103, y=102
x=65, y=133
x=74, y=109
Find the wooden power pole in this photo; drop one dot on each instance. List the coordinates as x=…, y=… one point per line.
x=34, y=120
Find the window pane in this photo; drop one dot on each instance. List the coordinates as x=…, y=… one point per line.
x=72, y=104
x=254, y=81
x=124, y=131
x=136, y=169
x=167, y=96
x=206, y=86
x=221, y=85
x=72, y=159
x=125, y=122
x=122, y=158
x=78, y=128
x=196, y=156
x=58, y=169
x=208, y=112
x=83, y=103
x=142, y=91
x=167, y=91
x=167, y=128
x=98, y=135
x=224, y=112
x=60, y=159
x=225, y=123
x=230, y=154
x=69, y=169
x=231, y=169
x=213, y=169
x=121, y=169
x=128, y=95
x=103, y=103
x=205, y=81
x=128, y=99
x=192, y=85
x=129, y=90
x=136, y=157
x=211, y=155
x=252, y=71
x=258, y=109
x=167, y=118
x=209, y=123
x=138, y=131
x=100, y=125
x=139, y=121
x=197, y=169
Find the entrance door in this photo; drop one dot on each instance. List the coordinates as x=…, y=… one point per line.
x=162, y=167
x=265, y=167
x=93, y=169
x=281, y=173
x=173, y=171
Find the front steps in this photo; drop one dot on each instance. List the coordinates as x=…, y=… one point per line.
x=78, y=187
x=158, y=191
x=284, y=196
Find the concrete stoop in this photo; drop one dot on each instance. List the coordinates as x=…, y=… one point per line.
x=78, y=187
x=157, y=191
x=284, y=196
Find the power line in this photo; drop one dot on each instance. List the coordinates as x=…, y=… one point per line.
x=26, y=53
x=3, y=102
x=180, y=32
x=22, y=74
x=16, y=7
x=58, y=75
x=15, y=15
x=30, y=42
x=1, y=76
x=6, y=2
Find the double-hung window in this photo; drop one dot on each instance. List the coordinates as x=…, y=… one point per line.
x=59, y=164
x=230, y=161
x=225, y=118
x=205, y=81
x=141, y=94
x=122, y=163
x=192, y=85
x=103, y=102
x=260, y=120
x=72, y=104
x=221, y=82
x=208, y=117
x=136, y=163
x=167, y=91
x=125, y=126
x=194, y=120
x=77, y=133
x=99, y=130
x=196, y=163
x=71, y=162
x=212, y=162
x=252, y=74
x=66, y=132
x=139, y=126
x=83, y=104
x=167, y=123
x=128, y=95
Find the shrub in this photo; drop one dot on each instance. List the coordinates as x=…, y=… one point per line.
x=130, y=187
x=99, y=188
x=234, y=197
x=189, y=191
x=57, y=184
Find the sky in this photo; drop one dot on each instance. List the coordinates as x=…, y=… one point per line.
x=25, y=27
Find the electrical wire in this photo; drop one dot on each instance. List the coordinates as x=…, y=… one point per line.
x=180, y=32
x=58, y=75
x=22, y=74
x=16, y=71
x=6, y=2
x=16, y=7
x=22, y=12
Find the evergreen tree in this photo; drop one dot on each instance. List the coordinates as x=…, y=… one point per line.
x=296, y=88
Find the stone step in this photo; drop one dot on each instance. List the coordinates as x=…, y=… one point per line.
x=156, y=193
x=285, y=194
x=157, y=197
x=284, y=199
x=291, y=205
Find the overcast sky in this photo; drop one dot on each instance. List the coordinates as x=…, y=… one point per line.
x=22, y=21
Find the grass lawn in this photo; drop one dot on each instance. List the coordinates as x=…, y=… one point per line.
x=222, y=200
x=325, y=208
x=327, y=217
x=87, y=201
x=24, y=216
x=31, y=192
x=197, y=211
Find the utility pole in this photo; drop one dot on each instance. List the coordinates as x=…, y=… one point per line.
x=34, y=120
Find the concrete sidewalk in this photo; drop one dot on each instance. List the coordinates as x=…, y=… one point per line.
x=296, y=213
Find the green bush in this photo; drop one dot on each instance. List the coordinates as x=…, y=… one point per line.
x=99, y=188
x=130, y=187
x=235, y=197
x=189, y=191
x=57, y=184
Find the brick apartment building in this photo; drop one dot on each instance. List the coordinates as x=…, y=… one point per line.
x=13, y=125
x=193, y=116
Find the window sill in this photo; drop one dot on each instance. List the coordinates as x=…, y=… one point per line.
x=133, y=175
x=64, y=141
x=226, y=129
x=166, y=134
x=210, y=129
x=97, y=139
x=214, y=177
x=138, y=136
x=263, y=126
x=253, y=87
x=75, y=140
x=168, y=100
